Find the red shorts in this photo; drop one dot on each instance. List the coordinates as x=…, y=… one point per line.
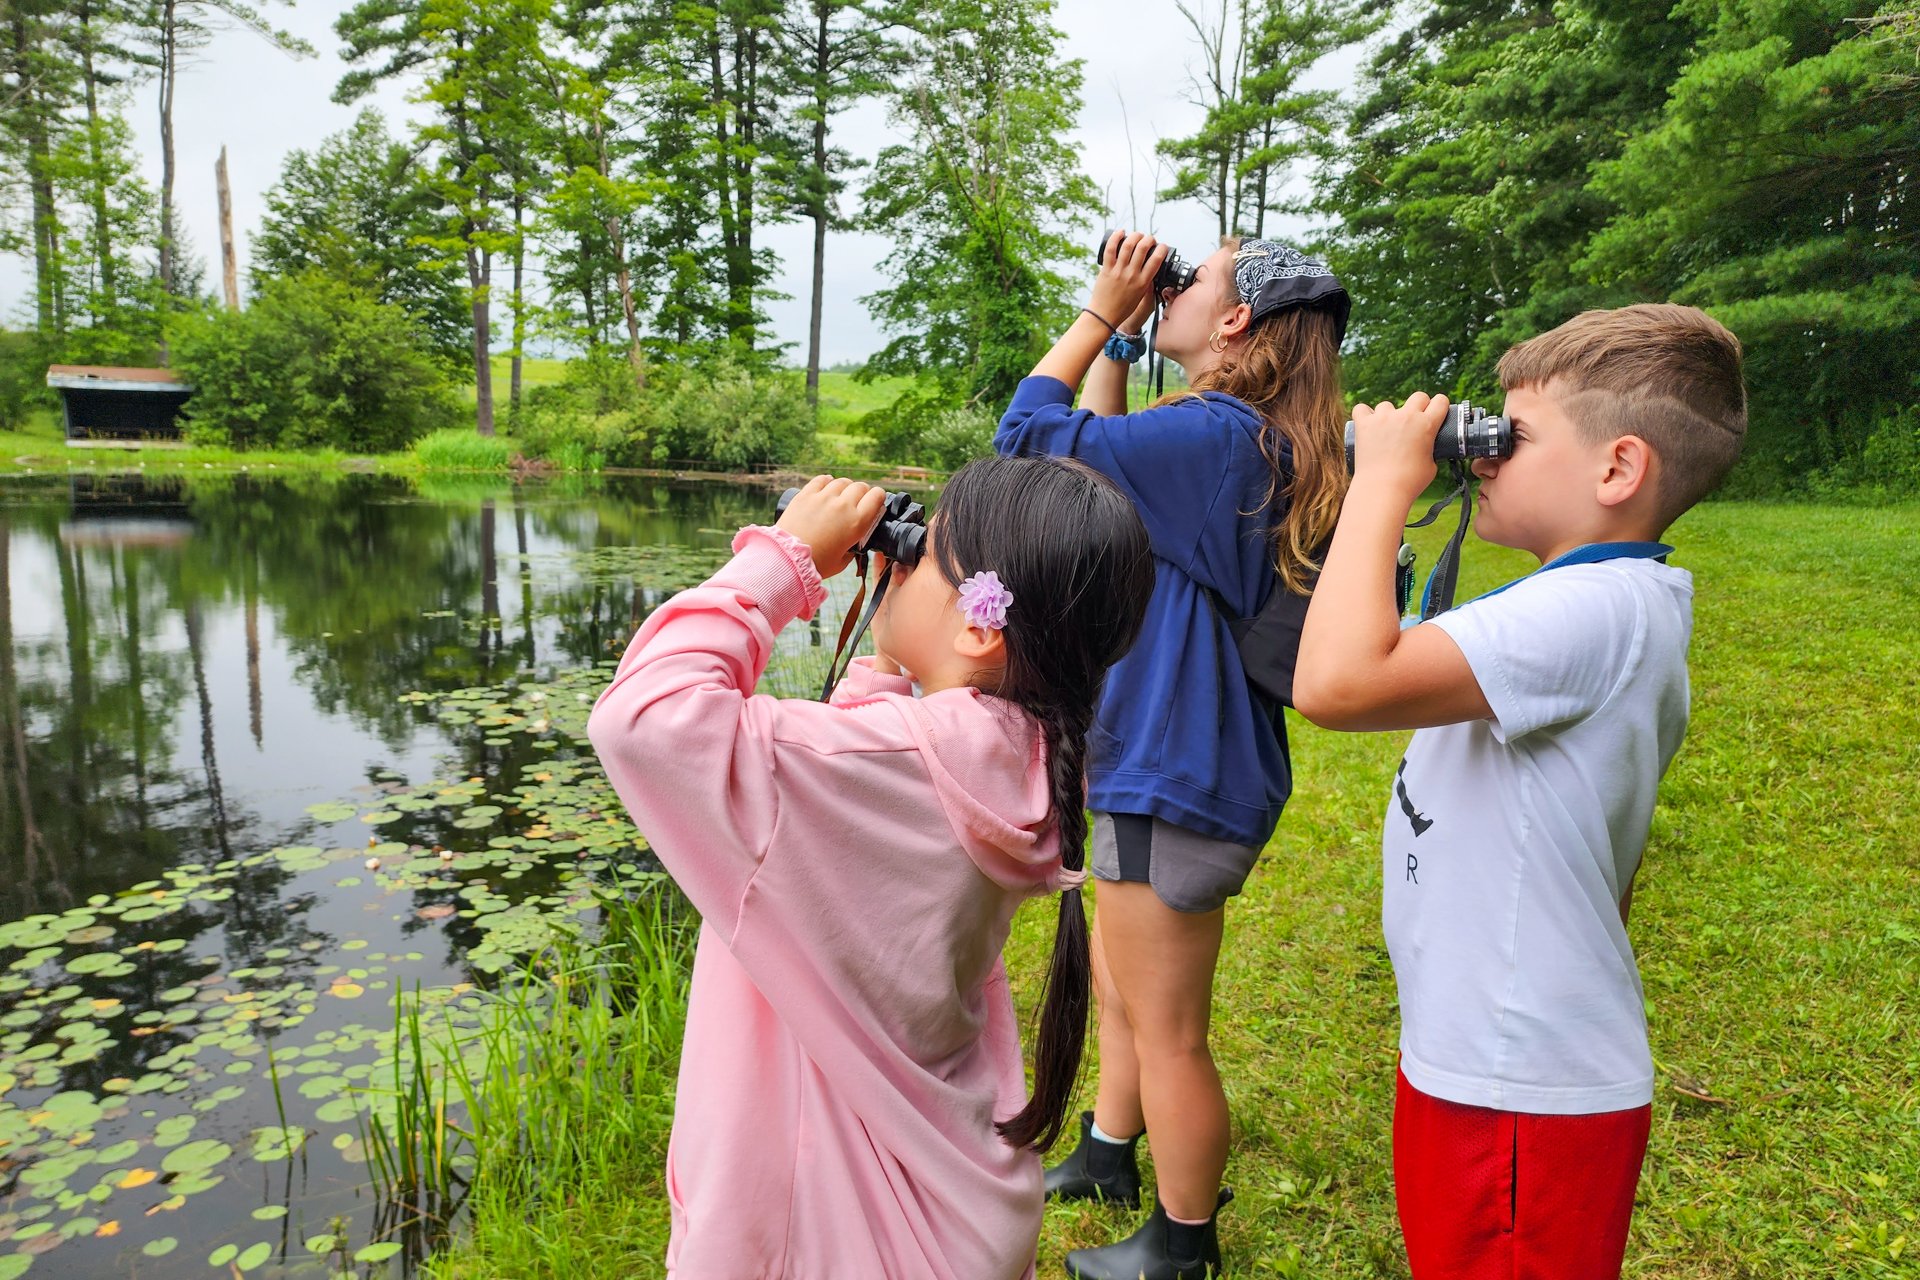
x=1503, y=1195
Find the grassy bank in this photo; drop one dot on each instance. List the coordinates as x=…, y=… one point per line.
x=1777, y=923
x=40, y=445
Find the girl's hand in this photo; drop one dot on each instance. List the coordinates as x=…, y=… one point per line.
x=833, y=517
x=1396, y=445
x=1125, y=282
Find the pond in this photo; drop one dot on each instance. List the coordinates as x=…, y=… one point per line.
x=274, y=751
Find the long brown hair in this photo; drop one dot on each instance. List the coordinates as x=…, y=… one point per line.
x=1072, y=550
x=1287, y=370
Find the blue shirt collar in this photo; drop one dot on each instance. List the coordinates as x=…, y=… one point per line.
x=1593, y=553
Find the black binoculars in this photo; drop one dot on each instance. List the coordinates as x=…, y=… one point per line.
x=1175, y=273
x=1468, y=433
x=901, y=534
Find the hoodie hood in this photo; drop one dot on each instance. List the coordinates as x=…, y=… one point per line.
x=988, y=761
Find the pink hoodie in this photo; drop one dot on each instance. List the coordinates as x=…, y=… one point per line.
x=850, y=1038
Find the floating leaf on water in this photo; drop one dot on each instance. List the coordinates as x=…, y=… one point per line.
x=323, y=1243
x=438, y=911
x=107, y=1229
x=196, y=1157
x=337, y=1111
x=223, y=1255
x=346, y=990
x=160, y=1248
x=91, y=933
x=192, y=1184
x=14, y=1265
x=377, y=1252
x=267, y=1213
x=254, y=1256
x=136, y=1178
x=275, y=1143
x=332, y=811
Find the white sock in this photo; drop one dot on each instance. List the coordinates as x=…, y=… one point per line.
x=1101, y=1135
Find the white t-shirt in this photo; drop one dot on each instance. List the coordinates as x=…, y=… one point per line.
x=1510, y=841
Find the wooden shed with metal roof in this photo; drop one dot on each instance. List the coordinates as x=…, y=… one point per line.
x=102, y=403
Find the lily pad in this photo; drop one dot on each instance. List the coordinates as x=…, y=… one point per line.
x=196, y=1157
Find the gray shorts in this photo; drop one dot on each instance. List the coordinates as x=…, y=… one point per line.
x=1188, y=871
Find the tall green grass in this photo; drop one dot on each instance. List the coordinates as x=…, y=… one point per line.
x=568, y=1098
x=459, y=449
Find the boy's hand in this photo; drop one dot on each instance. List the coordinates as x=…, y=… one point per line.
x=833, y=516
x=1396, y=445
x=1125, y=282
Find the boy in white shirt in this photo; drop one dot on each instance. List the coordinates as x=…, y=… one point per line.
x=1548, y=712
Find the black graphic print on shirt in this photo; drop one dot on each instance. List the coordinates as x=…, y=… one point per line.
x=1419, y=822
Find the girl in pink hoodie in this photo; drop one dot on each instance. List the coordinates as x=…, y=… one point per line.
x=851, y=1101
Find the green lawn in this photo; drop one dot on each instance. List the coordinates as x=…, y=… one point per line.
x=1777, y=921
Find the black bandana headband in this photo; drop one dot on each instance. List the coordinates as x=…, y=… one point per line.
x=1273, y=277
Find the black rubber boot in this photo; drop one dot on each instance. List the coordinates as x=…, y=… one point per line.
x=1097, y=1170
x=1159, y=1250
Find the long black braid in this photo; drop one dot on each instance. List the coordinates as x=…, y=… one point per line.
x=1072, y=550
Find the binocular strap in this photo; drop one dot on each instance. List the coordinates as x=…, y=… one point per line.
x=1438, y=596
x=850, y=633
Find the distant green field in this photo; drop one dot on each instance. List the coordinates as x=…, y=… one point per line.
x=843, y=401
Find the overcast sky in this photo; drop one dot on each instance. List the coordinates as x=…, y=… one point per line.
x=260, y=104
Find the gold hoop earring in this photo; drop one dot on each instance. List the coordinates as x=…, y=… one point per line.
x=1216, y=343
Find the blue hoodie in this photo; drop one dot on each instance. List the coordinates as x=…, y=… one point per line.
x=1179, y=735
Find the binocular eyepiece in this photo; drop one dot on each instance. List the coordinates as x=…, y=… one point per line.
x=1175, y=273
x=900, y=536
x=1468, y=433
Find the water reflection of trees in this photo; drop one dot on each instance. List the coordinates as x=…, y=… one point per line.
x=370, y=591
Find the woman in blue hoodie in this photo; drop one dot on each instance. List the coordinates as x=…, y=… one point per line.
x=1239, y=481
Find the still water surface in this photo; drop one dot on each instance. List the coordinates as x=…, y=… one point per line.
x=216, y=703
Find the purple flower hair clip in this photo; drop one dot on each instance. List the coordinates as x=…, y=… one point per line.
x=984, y=600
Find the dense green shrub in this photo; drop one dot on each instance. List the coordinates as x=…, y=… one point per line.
x=594, y=417
x=312, y=362
x=1886, y=468
x=928, y=431
x=729, y=412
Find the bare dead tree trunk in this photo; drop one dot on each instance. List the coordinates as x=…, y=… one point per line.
x=821, y=68
x=229, y=263
x=169, y=75
x=617, y=232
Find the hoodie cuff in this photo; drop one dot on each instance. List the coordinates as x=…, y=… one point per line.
x=777, y=569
